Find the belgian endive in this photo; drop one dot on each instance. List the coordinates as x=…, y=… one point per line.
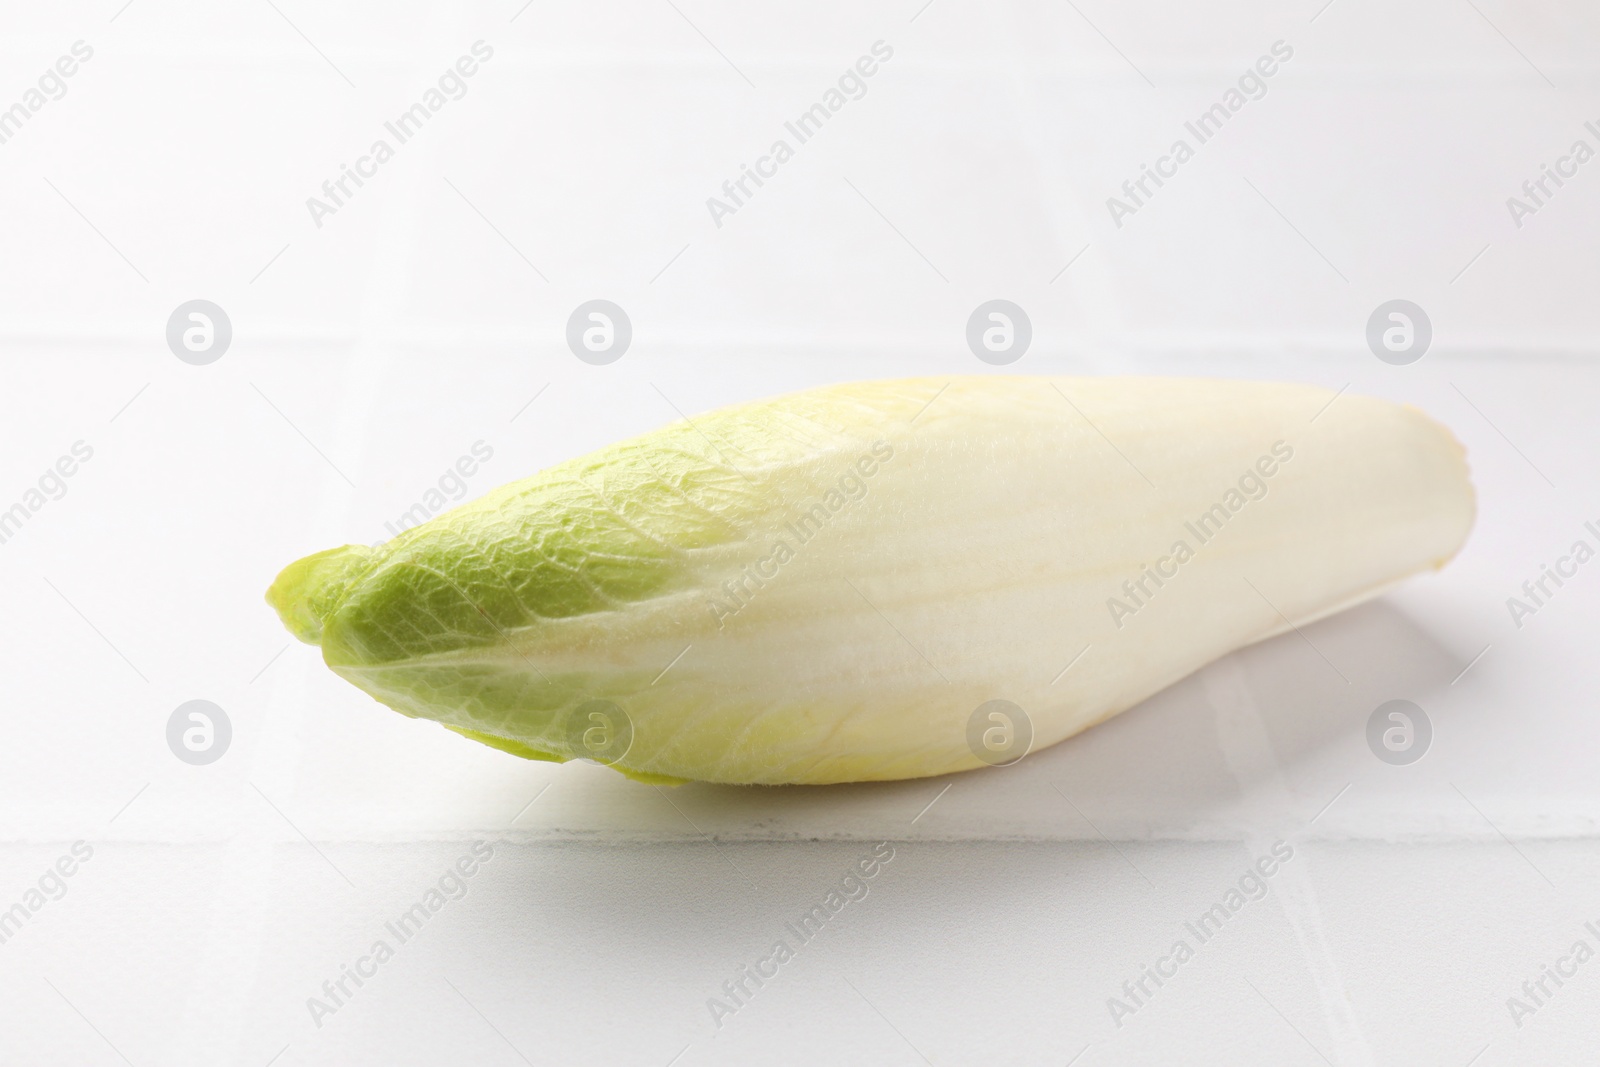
x=885, y=580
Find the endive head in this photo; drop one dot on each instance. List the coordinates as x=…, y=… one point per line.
x=846, y=583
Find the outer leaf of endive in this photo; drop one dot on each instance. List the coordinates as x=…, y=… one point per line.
x=970, y=537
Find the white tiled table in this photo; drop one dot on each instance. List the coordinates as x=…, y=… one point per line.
x=422, y=317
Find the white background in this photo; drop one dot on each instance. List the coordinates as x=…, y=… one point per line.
x=424, y=316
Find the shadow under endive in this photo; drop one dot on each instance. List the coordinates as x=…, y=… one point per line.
x=1156, y=770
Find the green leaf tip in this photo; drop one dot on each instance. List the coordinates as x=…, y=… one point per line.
x=309, y=590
